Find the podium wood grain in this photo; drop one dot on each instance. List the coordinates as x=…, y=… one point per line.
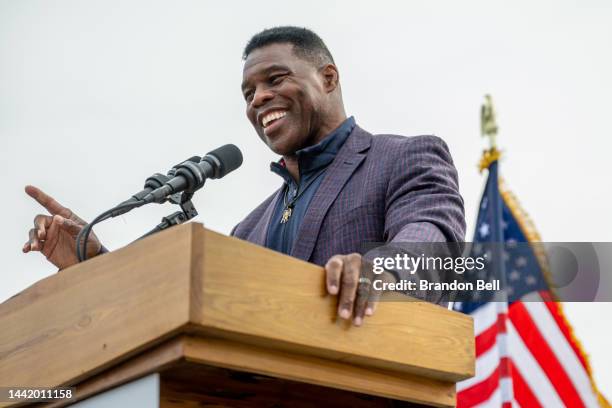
x=262, y=311
x=293, y=312
x=87, y=317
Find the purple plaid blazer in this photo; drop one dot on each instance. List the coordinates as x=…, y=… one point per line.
x=383, y=188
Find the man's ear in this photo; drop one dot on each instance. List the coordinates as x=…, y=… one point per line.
x=331, y=78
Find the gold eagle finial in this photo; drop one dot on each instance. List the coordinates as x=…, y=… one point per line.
x=488, y=128
x=488, y=124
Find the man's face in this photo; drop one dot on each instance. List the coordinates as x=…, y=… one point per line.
x=285, y=97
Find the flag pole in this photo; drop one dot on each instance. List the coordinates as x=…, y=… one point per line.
x=489, y=160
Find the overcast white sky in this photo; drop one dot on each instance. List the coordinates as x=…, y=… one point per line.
x=97, y=95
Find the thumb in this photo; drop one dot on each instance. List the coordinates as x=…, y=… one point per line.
x=68, y=225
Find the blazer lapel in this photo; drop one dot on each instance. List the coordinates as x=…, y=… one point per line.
x=260, y=232
x=340, y=170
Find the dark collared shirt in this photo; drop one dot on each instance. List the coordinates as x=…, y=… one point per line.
x=312, y=163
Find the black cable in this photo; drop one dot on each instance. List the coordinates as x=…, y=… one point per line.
x=86, y=230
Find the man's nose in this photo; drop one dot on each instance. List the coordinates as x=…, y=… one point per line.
x=261, y=97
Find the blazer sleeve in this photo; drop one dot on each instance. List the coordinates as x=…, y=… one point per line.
x=423, y=202
x=423, y=205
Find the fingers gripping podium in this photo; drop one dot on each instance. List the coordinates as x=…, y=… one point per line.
x=227, y=322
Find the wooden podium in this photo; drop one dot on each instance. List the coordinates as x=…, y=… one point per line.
x=225, y=323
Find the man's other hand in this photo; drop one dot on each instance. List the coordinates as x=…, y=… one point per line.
x=55, y=235
x=349, y=277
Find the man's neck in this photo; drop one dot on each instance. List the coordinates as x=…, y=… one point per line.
x=292, y=166
x=291, y=162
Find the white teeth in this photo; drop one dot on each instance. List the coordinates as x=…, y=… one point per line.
x=272, y=116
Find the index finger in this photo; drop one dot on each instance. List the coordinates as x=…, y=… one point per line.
x=47, y=201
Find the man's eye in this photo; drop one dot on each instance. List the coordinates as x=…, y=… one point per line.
x=248, y=96
x=276, y=79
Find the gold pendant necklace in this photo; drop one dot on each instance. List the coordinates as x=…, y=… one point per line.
x=286, y=214
x=289, y=204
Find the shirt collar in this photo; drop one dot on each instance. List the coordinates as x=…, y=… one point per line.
x=315, y=157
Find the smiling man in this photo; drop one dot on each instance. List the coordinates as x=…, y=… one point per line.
x=341, y=186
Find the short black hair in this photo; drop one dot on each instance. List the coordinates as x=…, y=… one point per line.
x=306, y=43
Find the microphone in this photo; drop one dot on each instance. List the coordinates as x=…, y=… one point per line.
x=172, y=171
x=190, y=176
x=152, y=183
x=187, y=177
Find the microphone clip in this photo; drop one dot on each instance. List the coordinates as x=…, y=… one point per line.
x=188, y=211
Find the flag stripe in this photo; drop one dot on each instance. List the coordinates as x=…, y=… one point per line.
x=486, y=365
x=480, y=392
x=534, y=376
x=553, y=307
x=567, y=357
x=505, y=382
x=494, y=401
x=545, y=357
x=522, y=393
x=488, y=337
x=485, y=340
x=484, y=317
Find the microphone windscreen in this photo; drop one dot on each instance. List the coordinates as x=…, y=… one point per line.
x=230, y=158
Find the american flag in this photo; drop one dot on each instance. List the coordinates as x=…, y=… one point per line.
x=526, y=352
